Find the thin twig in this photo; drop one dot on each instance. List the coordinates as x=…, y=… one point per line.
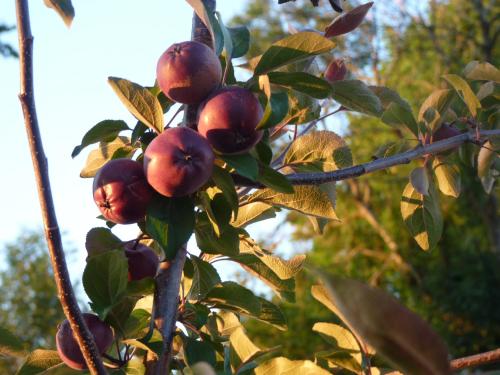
x=476, y=360
x=53, y=235
x=376, y=165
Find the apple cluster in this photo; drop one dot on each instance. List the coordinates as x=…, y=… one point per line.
x=179, y=161
x=176, y=163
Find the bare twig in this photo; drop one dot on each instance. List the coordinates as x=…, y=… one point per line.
x=476, y=360
x=63, y=282
x=168, y=280
x=376, y=165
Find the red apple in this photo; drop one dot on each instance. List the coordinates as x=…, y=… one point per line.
x=68, y=348
x=336, y=70
x=228, y=120
x=178, y=162
x=187, y=72
x=142, y=261
x=121, y=191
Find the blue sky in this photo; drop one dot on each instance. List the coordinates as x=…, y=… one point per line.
x=107, y=38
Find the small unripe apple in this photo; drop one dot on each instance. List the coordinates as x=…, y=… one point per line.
x=336, y=70
x=142, y=261
x=187, y=72
x=121, y=191
x=178, y=162
x=68, y=348
x=228, y=120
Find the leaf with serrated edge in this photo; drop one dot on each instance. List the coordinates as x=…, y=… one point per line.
x=291, y=49
x=309, y=200
x=205, y=278
x=356, y=96
x=285, y=366
x=465, y=92
x=140, y=102
x=397, y=334
x=482, y=71
x=253, y=212
x=97, y=158
x=448, y=177
x=105, y=131
x=422, y=216
x=39, y=361
x=64, y=8
x=319, y=151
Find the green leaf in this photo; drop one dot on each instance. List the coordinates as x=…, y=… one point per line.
x=228, y=45
x=271, y=314
x=223, y=180
x=225, y=243
x=104, y=131
x=465, y=92
x=105, y=280
x=105, y=152
x=170, y=221
x=422, y=216
x=397, y=115
x=303, y=82
x=205, y=277
x=448, y=177
x=10, y=344
x=274, y=180
x=64, y=8
x=388, y=96
x=135, y=367
x=309, y=200
x=302, y=108
x=140, y=102
x=232, y=296
x=356, y=96
x=419, y=179
x=276, y=108
x=439, y=101
x=199, y=351
x=291, y=49
x=100, y=240
x=244, y=164
x=216, y=207
x=344, y=360
x=240, y=36
x=137, y=323
x=482, y=71
x=119, y=314
x=141, y=287
x=282, y=365
x=252, y=213
x=208, y=18
x=319, y=151
x=397, y=334
x=39, y=361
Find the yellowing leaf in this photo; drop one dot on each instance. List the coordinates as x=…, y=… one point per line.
x=251, y=213
x=105, y=151
x=448, y=177
x=319, y=151
x=285, y=366
x=436, y=103
x=482, y=71
x=309, y=200
x=140, y=102
x=465, y=92
x=422, y=216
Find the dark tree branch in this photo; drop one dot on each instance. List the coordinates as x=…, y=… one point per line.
x=168, y=280
x=376, y=165
x=476, y=360
x=65, y=290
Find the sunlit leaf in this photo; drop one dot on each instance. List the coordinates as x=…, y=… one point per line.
x=482, y=71
x=437, y=103
x=99, y=240
x=10, y=344
x=252, y=213
x=39, y=361
x=104, y=131
x=105, y=152
x=465, y=92
x=448, y=177
x=282, y=365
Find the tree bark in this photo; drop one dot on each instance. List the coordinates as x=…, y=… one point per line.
x=52, y=233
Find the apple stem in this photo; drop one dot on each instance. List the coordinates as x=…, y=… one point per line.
x=52, y=233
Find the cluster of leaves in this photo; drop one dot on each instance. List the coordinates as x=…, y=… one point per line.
x=210, y=311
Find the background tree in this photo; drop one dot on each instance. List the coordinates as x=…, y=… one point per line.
x=455, y=287
x=29, y=306
x=6, y=50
